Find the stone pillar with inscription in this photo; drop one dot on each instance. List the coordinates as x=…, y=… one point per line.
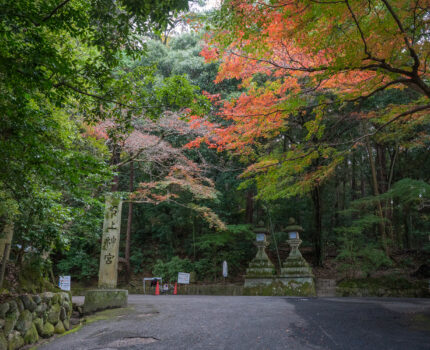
x=108, y=272
x=107, y=296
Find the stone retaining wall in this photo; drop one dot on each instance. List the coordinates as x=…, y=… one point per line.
x=194, y=289
x=384, y=287
x=25, y=318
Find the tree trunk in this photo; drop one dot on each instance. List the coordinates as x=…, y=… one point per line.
x=129, y=224
x=249, y=206
x=115, y=158
x=354, y=190
x=381, y=224
x=381, y=168
x=194, y=236
x=381, y=171
x=335, y=217
x=317, y=232
x=5, y=249
x=407, y=224
x=362, y=179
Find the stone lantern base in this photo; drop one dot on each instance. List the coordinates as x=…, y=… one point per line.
x=298, y=286
x=297, y=277
x=260, y=273
x=280, y=286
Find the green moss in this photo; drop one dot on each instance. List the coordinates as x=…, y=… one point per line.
x=116, y=201
x=258, y=272
x=25, y=321
x=54, y=313
x=108, y=314
x=211, y=289
x=56, y=299
x=15, y=342
x=38, y=323
x=47, y=330
x=421, y=322
x=32, y=281
x=293, y=288
x=300, y=289
x=10, y=321
x=66, y=324
x=31, y=336
x=104, y=299
x=73, y=330
x=59, y=328
x=3, y=342
x=385, y=286
x=291, y=262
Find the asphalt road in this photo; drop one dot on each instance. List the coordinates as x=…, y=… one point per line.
x=216, y=322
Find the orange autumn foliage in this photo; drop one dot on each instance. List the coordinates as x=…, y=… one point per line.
x=304, y=49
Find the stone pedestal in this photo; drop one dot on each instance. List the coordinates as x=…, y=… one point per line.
x=261, y=272
x=101, y=299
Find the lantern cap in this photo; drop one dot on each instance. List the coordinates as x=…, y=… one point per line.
x=260, y=228
x=292, y=226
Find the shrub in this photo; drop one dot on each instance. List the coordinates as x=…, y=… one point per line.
x=169, y=270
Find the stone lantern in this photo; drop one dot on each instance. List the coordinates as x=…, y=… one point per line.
x=296, y=273
x=261, y=242
x=261, y=270
x=294, y=240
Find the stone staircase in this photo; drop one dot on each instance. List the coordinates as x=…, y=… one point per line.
x=326, y=287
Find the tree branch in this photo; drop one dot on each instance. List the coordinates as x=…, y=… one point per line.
x=53, y=12
x=392, y=120
x=405, y=37
x=134, y=156
x=101, y=98
x=363, y=39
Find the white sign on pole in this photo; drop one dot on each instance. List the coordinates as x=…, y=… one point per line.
x=183, y=278
x=64, y=283
x=224, y=269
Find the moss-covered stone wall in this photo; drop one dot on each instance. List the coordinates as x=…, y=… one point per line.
x=26, y=318
x=383, y=287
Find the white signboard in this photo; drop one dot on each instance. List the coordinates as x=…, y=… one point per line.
x=64, y=283
x=183, y=278
x=224, y=269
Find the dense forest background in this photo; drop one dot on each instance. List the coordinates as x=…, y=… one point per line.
x=88, y=110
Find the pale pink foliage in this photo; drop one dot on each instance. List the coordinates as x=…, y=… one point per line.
x=169, y=168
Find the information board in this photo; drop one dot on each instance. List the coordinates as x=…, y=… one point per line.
x=183, y=278
x=64, y=283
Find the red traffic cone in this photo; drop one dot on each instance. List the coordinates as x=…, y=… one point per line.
x=157, y=289
x=175, y=291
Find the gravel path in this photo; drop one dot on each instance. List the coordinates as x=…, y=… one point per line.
x=224, y=322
